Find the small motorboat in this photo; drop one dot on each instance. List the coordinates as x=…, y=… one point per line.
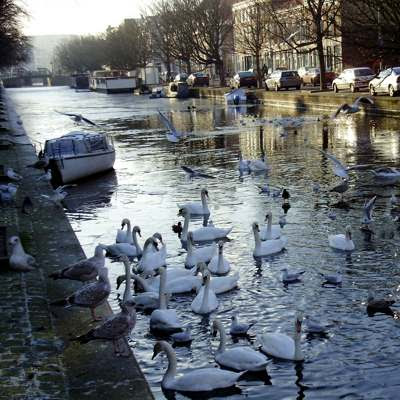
x=157, y=92
x=78, y=155
x=386, y=172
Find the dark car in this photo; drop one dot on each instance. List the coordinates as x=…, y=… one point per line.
x=244, y=78
x=198, y=79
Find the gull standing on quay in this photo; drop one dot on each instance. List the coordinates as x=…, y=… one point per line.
x=19, y=260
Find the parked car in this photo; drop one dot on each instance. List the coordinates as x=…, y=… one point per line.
x=182, y=77
x=353, y=79
x=242, y=79
x=302, y=71
x=312, y=76
x=198, y=79
x=283, y=80
x=387, y=81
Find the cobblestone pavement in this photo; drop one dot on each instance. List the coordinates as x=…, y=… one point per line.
x=37, y=361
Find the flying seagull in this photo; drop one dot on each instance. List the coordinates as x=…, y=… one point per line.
x=173, y=135
x=77, y=117
x=353, y=108
x=368, y=208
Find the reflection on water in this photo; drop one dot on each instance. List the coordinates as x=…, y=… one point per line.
x=359, y=357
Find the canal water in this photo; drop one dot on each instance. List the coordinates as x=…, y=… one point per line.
x=359, y=356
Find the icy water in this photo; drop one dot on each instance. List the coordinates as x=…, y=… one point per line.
x=359, y=358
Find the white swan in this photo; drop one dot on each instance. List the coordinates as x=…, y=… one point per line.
x=19, y=260
x=267, y=247
x=204, y=233
x=270, y=231
x=198, y=208
x=163, y=249
x=162, y=319
x=238, y=358
x=124, y=236
x=220, y=284
x=258, y=165
x=194, y=380
x=119, y=249
x=282, y=346
x=151, y=260
x=200, y=254
x=218, y=264
x=243, y=164
x=206, y=301
x=342, y=242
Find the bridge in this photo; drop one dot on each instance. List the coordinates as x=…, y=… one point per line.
x=22, y=77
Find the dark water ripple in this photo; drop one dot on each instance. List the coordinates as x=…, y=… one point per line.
x=359, y=357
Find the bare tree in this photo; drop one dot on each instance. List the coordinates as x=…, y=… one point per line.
x=251, y=32
x=14, y=45
x=302, y=25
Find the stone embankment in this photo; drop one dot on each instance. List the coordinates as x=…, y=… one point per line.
x=309, y=100
x=37, y=360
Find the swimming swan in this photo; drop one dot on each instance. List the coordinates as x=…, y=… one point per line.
x=267, y=247
x=198, y=208
x=342, y=242
x=206, y=301
x=270, y=231
x=238, y=358
x=151, y=260
x=200, y=254
x=220, y=284
x=218, y=264
x=124, y=236
x=194, y=380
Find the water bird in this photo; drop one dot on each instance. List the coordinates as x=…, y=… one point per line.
x=58, y=195
x=375, y=305
x=177, y=228
x=332, y=279
x=77, y=117
x=342, y=241
x=11, y=174
x=237, y=358
x=125, y=236
x=195, y=380
x=353, y=108
x=220, y=284
x=83, y=270
x=182, y=338
x=267, y=247
x=367, y=209
x=243, y=164
x=264, y=189
x=291, y=276
x=200, y=254
x=27, y=205
x=151, y=260
x=270, y=231
x=332, y=215
x=192, y=173
x=173, y=135
x=19, y=260
x=258, y=165
x=286, y=207
x=314, y=327
x=46, y=177
x=90, y=296
x=341, y=188
x=285, y=195
x=196, y=208
x=237, y=328
x=282, y=346
x=206, y=301
x=218, y=264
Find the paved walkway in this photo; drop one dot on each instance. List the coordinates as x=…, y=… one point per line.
x=37, y=361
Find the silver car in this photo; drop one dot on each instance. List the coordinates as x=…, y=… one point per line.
x=387, y=81
x=353, y=79
x=283, y=80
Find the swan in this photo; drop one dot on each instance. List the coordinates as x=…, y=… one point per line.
x=204, y=233
x=243, y=164
x=19, y=260
x=238, y=358
x=258, y=165
x=267, y=247
x=282, y=346
x=270, y=231
x=151, y=260
x=194, y=380
x=342, y=242
x=163, y=249
x=124, y=236
x=182, y=338
x=119, y=249
x=218, y=264
x=206, y=301
x=198, y=208
x=220, y=284
x=164, y=320
x=200, y=254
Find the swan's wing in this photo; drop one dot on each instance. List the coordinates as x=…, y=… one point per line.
x=368, y=207
x=339, y=169
x=88, y=121
x=168, y=124
x=363, y=99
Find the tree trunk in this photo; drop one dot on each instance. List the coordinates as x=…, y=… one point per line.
x=258, y=69
x=188, y=67
x=322, y=69
x=221, y=71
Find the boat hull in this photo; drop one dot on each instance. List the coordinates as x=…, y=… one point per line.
x=74, y=167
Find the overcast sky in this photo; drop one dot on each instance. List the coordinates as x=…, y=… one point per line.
x=80, y=17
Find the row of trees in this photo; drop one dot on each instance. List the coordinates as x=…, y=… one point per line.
x=14, y=45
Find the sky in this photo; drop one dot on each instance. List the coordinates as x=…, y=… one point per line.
x=80, y=17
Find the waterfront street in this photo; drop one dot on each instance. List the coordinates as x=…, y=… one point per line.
x=148, y=183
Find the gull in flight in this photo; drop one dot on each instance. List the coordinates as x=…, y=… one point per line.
x=172, y=135
x=195, y=174
x=353, y=108
x=58, y=196
x=77, y=117
x=368, y=208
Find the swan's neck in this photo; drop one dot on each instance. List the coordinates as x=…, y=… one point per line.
x=269, y=226
x=189, y=248
x=136, y=243
x=171, y=370
x=298, y=353
x=128, y=291
x=142, y=282
x=204, y=201
x=348, y=236
x=257, y=238
x=222, y=335
x=204, y=303
x=128, y=228
x=161, y=290
x=185, y=228
x=220, y=261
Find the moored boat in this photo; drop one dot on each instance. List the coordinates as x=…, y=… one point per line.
x=114, y=81
x=78, y=155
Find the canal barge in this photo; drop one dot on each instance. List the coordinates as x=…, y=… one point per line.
x=113, y=81
x=78, y=155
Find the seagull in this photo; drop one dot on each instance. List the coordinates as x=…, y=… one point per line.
x=83, y=270
x=353, y=108
x=58, y=195
x=77, y=117
x=237, y=328
x=378, y=305
x=264, y=189
x=332, y=279
x=19, y=260
x=173, y=135
x=367, y=209
x=314, y=327
x=45, y=177
x=89, y=296
x=196, y=174
x=11, y=174
x=291, y=277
